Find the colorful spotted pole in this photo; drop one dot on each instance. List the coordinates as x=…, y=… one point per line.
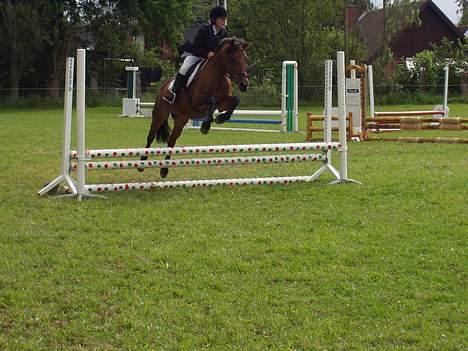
x=193, y=150
x=200, y=162
x=99, y=188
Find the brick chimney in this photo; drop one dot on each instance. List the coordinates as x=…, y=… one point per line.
x=353, y=12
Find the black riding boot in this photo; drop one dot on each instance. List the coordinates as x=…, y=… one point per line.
x=179, y=83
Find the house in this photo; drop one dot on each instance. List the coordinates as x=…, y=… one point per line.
x=409, y=38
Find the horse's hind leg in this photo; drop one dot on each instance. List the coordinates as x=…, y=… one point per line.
x=159, y=127
x=179, y=124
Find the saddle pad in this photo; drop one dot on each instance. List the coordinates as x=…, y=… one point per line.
x=192, y=73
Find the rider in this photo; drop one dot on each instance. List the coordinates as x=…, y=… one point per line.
x=207, y=39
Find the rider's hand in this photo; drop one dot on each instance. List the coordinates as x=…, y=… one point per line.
x=210, y=54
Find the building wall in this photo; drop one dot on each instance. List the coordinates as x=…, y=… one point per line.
x=419, y=38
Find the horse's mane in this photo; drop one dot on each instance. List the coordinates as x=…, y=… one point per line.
x=237, y=42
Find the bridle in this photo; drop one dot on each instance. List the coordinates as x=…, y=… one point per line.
x=236, y=76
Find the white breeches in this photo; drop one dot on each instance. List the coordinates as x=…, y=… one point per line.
x=188, y=62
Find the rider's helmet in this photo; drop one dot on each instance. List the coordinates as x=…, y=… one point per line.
x=217, y=12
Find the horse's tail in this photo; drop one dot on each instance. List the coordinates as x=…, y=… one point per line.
x=162, y=134
x=161, y=116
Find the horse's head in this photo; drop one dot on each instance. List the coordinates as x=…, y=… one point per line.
x=236, y=63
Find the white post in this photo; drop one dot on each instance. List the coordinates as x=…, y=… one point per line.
x=341, y=74
x=80, y=118
x=446, y=83
x=371, y=91
x=66, y=144
x=296, y=99
x=134, y=76
x=353, y=71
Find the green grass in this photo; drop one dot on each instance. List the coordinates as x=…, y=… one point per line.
x=301, y=267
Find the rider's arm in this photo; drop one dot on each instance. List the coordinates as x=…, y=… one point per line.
x=200, y=43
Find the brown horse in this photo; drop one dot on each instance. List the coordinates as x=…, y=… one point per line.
x=210, y=90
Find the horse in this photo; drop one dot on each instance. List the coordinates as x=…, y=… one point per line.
x=211, y=89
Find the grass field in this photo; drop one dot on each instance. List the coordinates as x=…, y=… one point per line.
x=301, y=267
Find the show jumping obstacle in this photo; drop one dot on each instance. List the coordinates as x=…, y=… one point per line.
x=440, y=112
x=355, y=106
x=81, y=159
x=286, y=118
x=381, y=122
x=390, y=121
x=312, y=127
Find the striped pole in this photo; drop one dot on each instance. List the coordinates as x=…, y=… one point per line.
x=188, y=150
x=196, y=183
x=200, y=162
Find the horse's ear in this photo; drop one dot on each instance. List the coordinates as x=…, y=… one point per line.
x=232, y=45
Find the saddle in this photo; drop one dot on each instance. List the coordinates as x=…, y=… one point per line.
x=192, y=73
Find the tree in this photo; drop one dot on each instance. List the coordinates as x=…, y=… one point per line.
x=115, y=26
x=307, y=31
x=23, y=36
x=463, y=9
x=61, y=27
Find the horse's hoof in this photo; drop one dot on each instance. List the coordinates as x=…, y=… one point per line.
x=220, y=119
x=163, y=172
x=140, y=169
x=205, y=128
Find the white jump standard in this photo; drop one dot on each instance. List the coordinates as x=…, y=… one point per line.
x=82, y=160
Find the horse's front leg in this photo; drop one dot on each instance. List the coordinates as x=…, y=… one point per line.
x=210, y=102
x=228, y=104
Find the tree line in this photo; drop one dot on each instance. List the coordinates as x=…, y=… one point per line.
x=37, y=35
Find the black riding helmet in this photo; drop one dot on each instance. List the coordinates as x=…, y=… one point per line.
x=217, y=12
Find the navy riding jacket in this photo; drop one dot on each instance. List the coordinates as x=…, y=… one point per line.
x=205, y=41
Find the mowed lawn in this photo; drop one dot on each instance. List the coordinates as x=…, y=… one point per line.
x=311, y=266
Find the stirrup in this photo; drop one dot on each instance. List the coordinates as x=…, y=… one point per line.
x=169, y=100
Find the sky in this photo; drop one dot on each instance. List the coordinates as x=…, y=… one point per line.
x=449, y=7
